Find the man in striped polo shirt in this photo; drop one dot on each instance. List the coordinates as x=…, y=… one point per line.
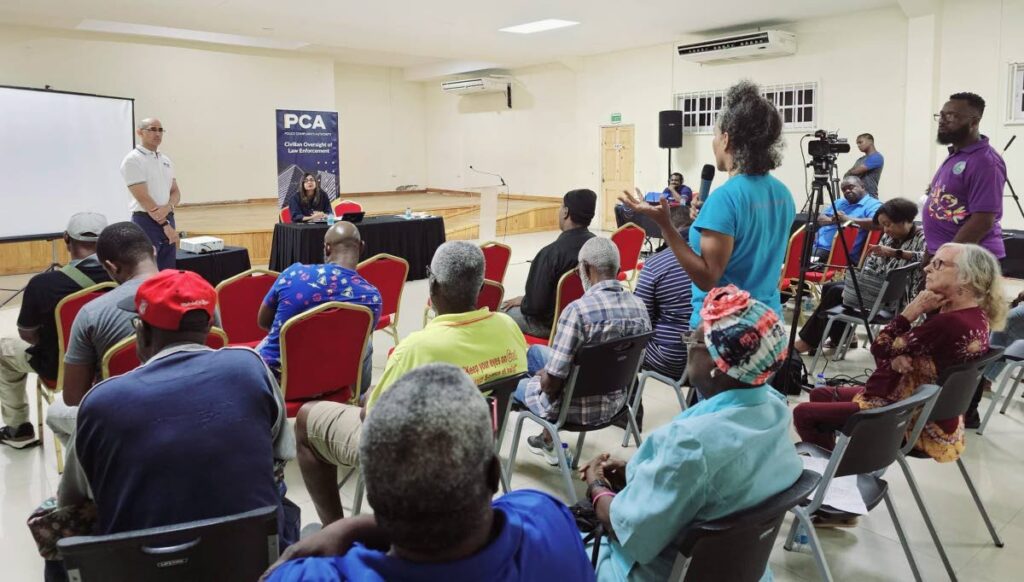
x=666, y=290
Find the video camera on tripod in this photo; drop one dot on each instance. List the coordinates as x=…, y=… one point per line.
x=823, y=152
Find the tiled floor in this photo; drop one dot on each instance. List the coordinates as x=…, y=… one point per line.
x=865, y=553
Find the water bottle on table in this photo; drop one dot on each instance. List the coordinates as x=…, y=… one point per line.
x=408, y=213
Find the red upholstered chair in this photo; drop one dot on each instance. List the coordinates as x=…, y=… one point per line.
x=791, y=268
x=837, y=263
x=239, y=299
x=342, y=207
x=322, y=354
x=122, y=358
x=65, y=312
x=285, y=216
x=491, y=295
x=496, y=260
x=570, y=288
x=630, y=241
x=388, y=274
x=874, y=237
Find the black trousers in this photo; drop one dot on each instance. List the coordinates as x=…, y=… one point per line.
x=814, y=329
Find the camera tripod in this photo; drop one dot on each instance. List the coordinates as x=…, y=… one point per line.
x=826, y=179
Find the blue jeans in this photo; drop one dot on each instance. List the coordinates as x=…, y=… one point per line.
x=1014, y=331
x=536, y=358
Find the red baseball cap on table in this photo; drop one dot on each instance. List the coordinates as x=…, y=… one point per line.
x=163, y=299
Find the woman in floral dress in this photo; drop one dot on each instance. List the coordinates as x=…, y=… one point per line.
x=962, y=300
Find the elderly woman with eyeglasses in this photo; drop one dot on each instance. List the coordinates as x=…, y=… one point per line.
x=962, y=300
x=725, y=454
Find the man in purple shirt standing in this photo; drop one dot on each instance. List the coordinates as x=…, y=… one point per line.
x=965, y=200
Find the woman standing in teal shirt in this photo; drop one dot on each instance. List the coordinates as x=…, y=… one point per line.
x=740, y=234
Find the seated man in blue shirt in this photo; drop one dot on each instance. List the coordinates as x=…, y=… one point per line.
x=428, y=461
x=676, y=192
x=302, y=287
x=730, y=452
x=193, y=433
x=856, y=206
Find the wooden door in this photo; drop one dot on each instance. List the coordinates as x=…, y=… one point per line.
x=616, y=169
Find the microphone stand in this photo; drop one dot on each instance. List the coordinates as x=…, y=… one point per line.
x=1013, y=193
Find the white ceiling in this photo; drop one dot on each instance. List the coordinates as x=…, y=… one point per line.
x=440, y=34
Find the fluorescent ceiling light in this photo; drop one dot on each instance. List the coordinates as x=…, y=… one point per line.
x=186, y=34
x=539, y=26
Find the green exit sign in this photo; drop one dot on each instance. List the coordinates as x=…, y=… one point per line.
x=616, y=118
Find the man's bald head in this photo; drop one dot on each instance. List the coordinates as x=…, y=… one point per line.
x=151, y=133
x=343, y=244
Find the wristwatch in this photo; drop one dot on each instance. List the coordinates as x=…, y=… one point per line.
x=595, y=484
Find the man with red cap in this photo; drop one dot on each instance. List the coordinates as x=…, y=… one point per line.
x=193, y=433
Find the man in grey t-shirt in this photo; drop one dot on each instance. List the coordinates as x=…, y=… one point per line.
x=869, y=166
x=126, y=253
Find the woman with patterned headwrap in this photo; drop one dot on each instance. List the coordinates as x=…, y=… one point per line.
x=727, y=453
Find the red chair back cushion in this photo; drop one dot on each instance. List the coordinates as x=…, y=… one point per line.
x=239, y=303
x=496, y=259
x=796, y=244
x=321, y=354
x=388, y=275
x=490, y=296
x=286, y=215
x=570, y=289
x=347, y=206
x=630, y=241
x=68, y=311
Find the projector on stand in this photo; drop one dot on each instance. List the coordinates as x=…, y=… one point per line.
x=201, y=244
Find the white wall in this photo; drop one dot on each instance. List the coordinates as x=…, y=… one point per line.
x=218, y=106
x=533, y=145
x=980, y=38
x=382, y=126
x=552, y=142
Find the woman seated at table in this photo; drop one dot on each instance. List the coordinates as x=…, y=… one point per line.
x=310, y=202
x=901, y=244
x=963, y=298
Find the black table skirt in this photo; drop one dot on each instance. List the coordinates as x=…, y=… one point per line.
x=216, y=266
x=414, y=240
x=1013, y=263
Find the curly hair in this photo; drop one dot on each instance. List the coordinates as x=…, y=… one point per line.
x=754, y=127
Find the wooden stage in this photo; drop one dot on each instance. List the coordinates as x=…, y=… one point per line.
x=250, y=223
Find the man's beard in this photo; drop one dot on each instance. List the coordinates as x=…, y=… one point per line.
x=949, y=137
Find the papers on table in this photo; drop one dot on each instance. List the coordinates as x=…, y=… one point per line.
x=842, y=492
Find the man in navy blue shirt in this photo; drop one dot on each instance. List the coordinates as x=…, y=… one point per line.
x=191, y=434
x=427, y=456
x=675, y=187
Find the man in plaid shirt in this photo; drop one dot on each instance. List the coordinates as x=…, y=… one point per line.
x=606, y=311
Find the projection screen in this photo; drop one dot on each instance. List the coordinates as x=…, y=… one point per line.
x=60, y=153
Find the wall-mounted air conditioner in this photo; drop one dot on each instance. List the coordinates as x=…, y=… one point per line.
x=740, y=47
x=477, y=85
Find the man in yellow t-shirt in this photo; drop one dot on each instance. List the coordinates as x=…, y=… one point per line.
x=487, y=345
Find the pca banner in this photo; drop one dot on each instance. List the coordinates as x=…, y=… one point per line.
x=307, y=143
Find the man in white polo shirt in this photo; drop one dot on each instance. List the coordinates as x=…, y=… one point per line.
x=149, y=176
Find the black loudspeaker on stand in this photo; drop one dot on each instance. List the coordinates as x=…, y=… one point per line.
x=670, y=132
